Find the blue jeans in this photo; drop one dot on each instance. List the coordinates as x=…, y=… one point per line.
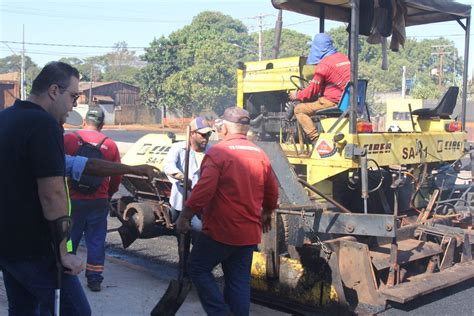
x=90, y=219
x=236, y=263
x=30, y=284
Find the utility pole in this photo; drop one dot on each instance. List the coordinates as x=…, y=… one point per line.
x=90, y=88
x=22, y=71
x=404, y=88
x=441, y=52
x=260, y=18
x=277, y=37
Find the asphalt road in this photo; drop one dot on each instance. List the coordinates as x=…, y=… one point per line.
x=126, y=136
x=160, y=256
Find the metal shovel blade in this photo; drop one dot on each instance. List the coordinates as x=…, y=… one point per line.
x=173, y=298
x=127, y=235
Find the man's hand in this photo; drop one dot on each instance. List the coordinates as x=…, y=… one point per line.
x=178, y=176
x=145, y=170
x=266, y=221
x=183, y=225
x=72, y=264
x=293, y=95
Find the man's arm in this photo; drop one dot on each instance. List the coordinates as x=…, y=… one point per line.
x=104, y=168
x=170, y=164
x=270, y=199
x=114, y=180
x=52, y=194
x=203, y=192
x=315, y=86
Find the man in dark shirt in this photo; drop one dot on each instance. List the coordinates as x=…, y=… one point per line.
x=33, y=196
x=238, y=192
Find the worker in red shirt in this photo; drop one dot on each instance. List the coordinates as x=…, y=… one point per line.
x=331, y=75
x=89, y=210
x=238, y=192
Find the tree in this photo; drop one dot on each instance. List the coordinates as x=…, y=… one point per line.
x=160, y=60
x=121, y=65
x=416, y=56
x=12, y=63
x=194, y=69
x=429, y=91
x=292, y=43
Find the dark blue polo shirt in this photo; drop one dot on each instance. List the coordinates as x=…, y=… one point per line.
x=31, y=147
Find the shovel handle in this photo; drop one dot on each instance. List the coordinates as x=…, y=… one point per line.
x=184, y=240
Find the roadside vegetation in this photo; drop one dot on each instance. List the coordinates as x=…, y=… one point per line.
x=193, y=69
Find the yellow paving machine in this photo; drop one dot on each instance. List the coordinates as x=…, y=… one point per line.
x=365, y=218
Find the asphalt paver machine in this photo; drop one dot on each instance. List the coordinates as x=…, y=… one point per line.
x=365, y=217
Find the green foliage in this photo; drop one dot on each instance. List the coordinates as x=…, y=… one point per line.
x=119, y=65
x=12, y=63
x=419, y=58
x=194, y=69
x=292, y=43
x=160, y=60
x=428, y=91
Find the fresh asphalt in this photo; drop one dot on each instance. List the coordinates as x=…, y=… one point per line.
x=160, y=256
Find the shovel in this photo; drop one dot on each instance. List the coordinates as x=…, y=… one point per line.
x=178, y=289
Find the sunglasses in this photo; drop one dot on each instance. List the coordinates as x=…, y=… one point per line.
x=74, y=96
x=206, y=135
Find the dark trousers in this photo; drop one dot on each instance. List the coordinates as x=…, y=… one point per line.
x=236, y=263
x=90, y=219
x=30, y=283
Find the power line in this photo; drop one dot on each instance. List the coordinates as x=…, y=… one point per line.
x=69, y=45
x=88, y=46
x=296, y=23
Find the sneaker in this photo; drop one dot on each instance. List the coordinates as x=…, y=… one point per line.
x=94, y=286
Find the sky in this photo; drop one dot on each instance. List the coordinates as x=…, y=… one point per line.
x=101, y=23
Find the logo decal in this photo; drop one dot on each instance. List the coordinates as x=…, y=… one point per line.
x=325, y=150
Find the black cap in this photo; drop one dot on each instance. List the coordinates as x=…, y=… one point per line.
x=95, y=114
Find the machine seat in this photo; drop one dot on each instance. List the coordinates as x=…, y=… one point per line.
x=444, y=108
x=344, y=103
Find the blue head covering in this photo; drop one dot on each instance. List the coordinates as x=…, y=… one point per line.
x=321, y=47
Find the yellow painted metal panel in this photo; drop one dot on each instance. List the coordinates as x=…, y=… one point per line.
x=271, y=75
x=240, y=91
x=328, y=158
x=150, y=149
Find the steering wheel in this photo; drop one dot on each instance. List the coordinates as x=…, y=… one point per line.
x=301, y=79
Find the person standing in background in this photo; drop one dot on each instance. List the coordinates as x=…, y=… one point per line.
x=90, y=206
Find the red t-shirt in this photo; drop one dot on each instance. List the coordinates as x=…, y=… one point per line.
x=330, y=76
x=110, y=151
x=236, y=183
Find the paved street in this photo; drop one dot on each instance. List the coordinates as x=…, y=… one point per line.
x=133, y=289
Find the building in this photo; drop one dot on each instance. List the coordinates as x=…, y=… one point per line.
x=9, y=88
x=120, y=101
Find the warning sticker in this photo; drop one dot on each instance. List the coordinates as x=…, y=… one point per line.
x=325, y=150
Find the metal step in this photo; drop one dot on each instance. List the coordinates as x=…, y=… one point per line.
x=408, y=250
x=427, y=283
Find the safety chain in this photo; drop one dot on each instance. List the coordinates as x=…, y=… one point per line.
x=326, y=251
